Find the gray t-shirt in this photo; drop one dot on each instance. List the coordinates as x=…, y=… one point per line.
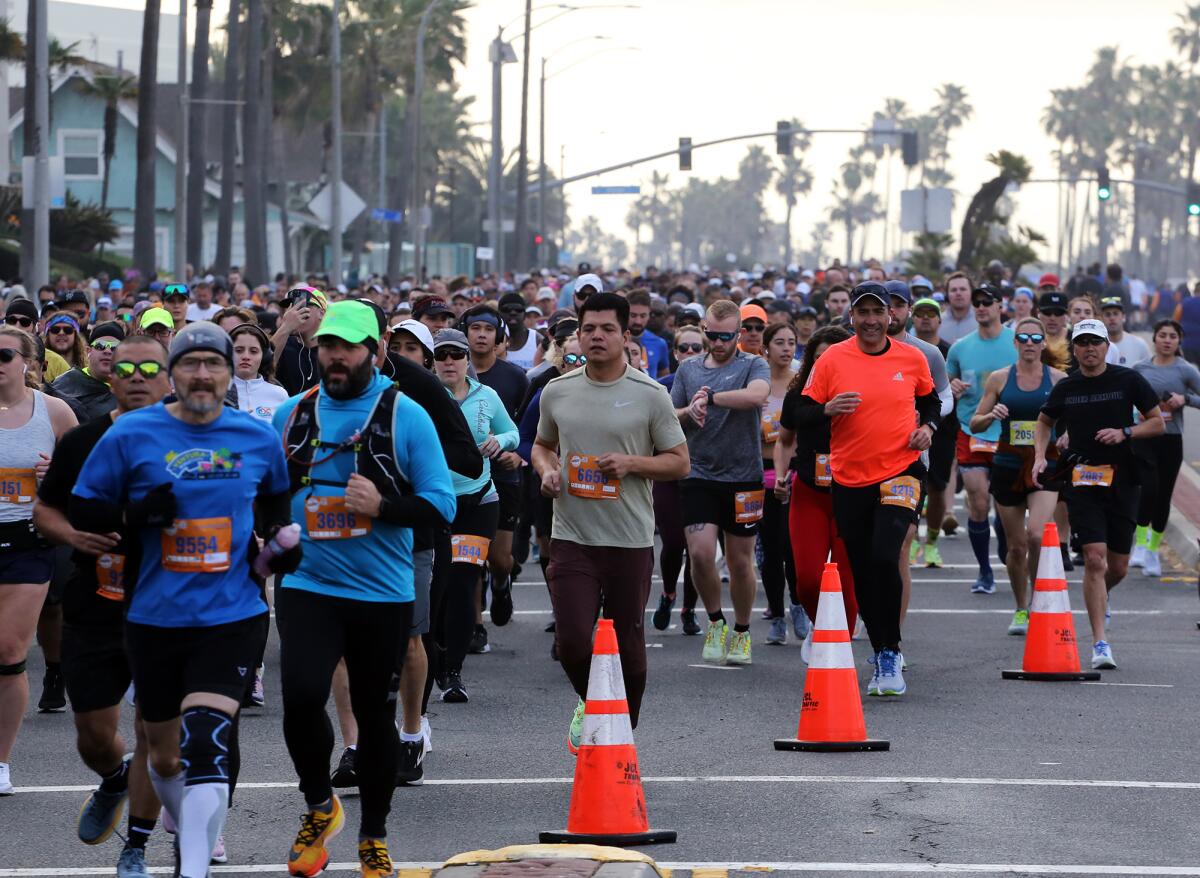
x=954, y=328
x=937, y=370
x=728, y=448
x=1179, y=377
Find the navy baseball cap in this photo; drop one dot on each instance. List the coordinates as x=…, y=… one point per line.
x=899, y=289
x=870, y=289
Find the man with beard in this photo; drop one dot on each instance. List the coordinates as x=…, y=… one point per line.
x=361, y=478
x=522, y=342
x=186, y=480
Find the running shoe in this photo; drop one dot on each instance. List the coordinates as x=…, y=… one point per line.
x=716, y=643
x=132, y=863
x=1138, y=557
x=1068, y=564
x=455, y=692
x=806, y=649
x=100, y=815
x=690, y=625
x=409, y=772
x=914, y=554
x=502, y=601
x=309, y=856
x=1153, y=565
x=426, y=735
x=800, y=623
x=662, y=616
x=54, y=695
x=890, y=678
x=344, y=775
x=479, y=642
x=860, y=629
x=1102, y=657
x=739, y=649
x=933, y=555
x=6, y=787
x=949, y=524
x=985, y=584
x=575, y=731
x=1019, y=626
x=373, y=859
x=257, y=696
x=777, y=636
x=873, y=685
x=219, y=856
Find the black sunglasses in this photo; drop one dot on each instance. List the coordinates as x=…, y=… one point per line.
x=1052, y=312
x=148, y=368
x=18, y=320
x=1027, y=337
x=689, y=348
x=1089, y=341
x=61, y=330
x=7, y=355
x=982, y=303
x=573, y=359
x=719, y=336
x=449, y=354
x=754, y=326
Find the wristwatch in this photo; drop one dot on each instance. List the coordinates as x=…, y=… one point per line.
x=1128, y=431
x=711, y=400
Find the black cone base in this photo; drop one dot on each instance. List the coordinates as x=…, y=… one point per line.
x=1049, y=677
x=832, y=746
x=632, y=839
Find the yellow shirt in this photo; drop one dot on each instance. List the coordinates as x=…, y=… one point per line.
x=55, y=366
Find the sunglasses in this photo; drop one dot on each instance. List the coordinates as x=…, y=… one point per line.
x=1030, y=337
x=18, y=320
x=148, y=368
x=575, y=359
x=982, y=303
x=7, y=355
x=61, y=330
x=719, y=336
x=1089, y=341
x=449, y=354
x=1052, y=312
x=104, y=345
x=692, y=348
x=753, y=327
x=174, y=290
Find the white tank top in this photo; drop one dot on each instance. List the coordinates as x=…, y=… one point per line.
x=524, y=356
x=19, y=449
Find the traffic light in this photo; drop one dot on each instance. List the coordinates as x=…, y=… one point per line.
x=1103, y=184
x=908, y=148
x=1193, y=199
x=783, y=138
x=685, y=153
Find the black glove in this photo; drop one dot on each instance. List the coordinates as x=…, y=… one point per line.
x=156, y=509
x=284, y=562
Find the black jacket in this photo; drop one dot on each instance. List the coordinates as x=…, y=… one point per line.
x=88, y=397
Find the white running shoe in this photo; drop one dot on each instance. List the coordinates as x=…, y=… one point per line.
x=1102, y=657
x=6, y=787
x=806, y=648
x=426, y=734
x=1138, y=558
x=1152, y=565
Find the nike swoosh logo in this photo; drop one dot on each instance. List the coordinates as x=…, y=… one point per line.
x=618, y=405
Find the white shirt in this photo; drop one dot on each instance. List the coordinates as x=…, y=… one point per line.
x=259, y=397
x=524, y=356
x=1128, y=351
x=195, y=313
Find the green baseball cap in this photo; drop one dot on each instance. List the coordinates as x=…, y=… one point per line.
x=157, y=317
x=350, y=321
x=927, y=303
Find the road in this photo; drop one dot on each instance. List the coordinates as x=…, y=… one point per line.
x=983, y=776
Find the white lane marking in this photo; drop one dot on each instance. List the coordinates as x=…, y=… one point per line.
x=1143, y=685
x=707, y=667
x=783, y=866
x=933, y=610
x=745, y=778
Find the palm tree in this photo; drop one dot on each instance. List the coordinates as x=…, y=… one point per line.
x=794, y=179
x=1185, y=36
x=144, y=250
x=12, y=47
x=197, y=123
x=112, y=90
x=981, y=212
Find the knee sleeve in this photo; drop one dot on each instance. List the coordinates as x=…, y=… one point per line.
x=204, y=747
x=14, y=670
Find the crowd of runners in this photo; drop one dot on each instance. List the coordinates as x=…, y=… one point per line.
x=374, y=466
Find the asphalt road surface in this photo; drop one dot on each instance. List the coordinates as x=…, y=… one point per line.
x=983, y=777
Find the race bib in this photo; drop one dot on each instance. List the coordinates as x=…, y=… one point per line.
x=326, y=518
x=110, y=576
x=1021, y=432
x=902, y=491
x=770, y=427
x=17, y=485
x=1084, y=475
x=748, y=506
x=1166, y=415
x=584, y=479
x=468, y=549
x=982, y=446
x=197, y=545
x=822, y=474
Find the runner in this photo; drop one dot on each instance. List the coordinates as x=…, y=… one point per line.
x=294, y=341
x=175, y=298
x=1124, y=348
x=602, y=553
x=654, y=348
x=754, y=324
x=86, y=389
x=803, y=451
x=1012, y=397
x=361, y=479
x=31, y=424
x=188, y=479
x=927, y=320
x=95, y=664
x=1095, y=405
x=958, y=318
x=719, y=400
x=885, y=412
x=254, y=372
x=972, y=358
x=1177, y=383
x=522, y=341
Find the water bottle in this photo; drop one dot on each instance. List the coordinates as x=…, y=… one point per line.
x=288, y=537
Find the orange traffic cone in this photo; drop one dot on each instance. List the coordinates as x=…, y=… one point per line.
x=607, y=802
x=1050, y=649
x=831, y=716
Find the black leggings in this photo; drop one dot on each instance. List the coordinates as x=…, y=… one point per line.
x=455, y=622
x=668, y=515
x=776, y=563
x=315, y=632
x=873, y=535
x=1160, y=459
x=437, y=593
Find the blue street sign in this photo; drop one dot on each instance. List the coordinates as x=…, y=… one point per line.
x=616, y=190
x=387, y=216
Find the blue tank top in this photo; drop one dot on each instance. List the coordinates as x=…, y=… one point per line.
x=1016, y=431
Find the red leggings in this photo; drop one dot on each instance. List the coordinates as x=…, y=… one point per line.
x=814, y=537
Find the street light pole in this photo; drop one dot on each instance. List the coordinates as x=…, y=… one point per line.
x=522, y=219
x=181, y=154
x=538, y=257
x=495, y=172
x=418, y=218
x=41, y=161
x=335, y=197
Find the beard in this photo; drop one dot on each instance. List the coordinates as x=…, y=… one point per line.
x=197, y=406
x=345, y=383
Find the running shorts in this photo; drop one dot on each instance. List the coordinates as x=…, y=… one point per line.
x=734, y=507
x=94, y=665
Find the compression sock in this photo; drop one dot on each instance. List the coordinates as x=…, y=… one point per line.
x=204, y=808
x=139, y=831
x=742, y=629
x=1143, y=534
x=1155, y=541
x=718, y=616
x=931, y=535
x=1001, y=538
x=980, y=534
x=116, y=781
x=169, y=790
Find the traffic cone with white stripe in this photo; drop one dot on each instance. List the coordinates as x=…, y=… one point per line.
x=607, y=802
x=831, y=715
x=1050, y=649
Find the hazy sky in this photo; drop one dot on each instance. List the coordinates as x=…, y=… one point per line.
x=713, y=68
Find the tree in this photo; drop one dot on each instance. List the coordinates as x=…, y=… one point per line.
x=197, y=128
x=982, y=213
x=112, y=90
x=229, y=175
x=927, y=257
x=144, y=233
x=794, y=180
x=254, y=214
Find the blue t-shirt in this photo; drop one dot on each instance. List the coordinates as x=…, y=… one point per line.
x=657, y=358
x=972, y=359
x=216, y=470
x=376, y=566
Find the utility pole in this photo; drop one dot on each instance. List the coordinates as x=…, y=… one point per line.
x=538, y=257
x=181, y=154
x=418, y=196
x=335, y=195
x=5, y=140
x=522, y=218
x=383, y=164
x=1102, y=233
x=495, y=168
x=41, y=161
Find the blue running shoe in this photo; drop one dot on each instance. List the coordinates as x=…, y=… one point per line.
x=800, y=623
x=985, y=584
x=132, y=863
x=100, y=815
x=890, y=678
